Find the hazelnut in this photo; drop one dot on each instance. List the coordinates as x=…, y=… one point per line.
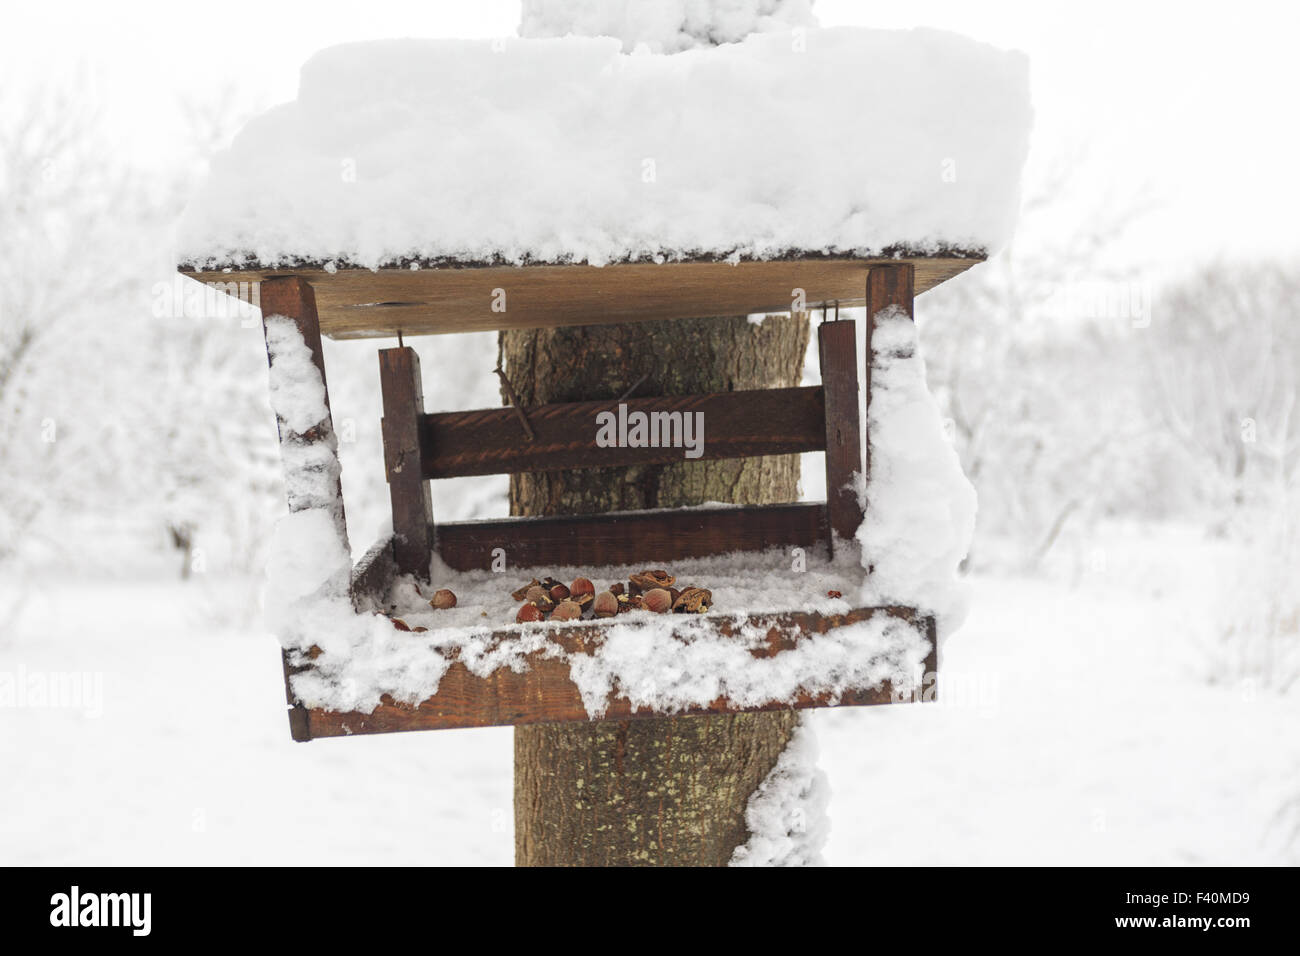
x=528, y=612
x=567, y=611
x=605, y=604
x=443, y=599
x=657, y=600
x=582, y=586
x=559, y=592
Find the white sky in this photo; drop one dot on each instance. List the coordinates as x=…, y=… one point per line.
x=1194, y=101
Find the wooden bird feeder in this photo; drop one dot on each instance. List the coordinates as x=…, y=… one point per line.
x=350, y=303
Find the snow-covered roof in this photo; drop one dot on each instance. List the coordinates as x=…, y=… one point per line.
x=838, y=141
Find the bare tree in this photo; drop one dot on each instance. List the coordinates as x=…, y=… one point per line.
x=1017, y=349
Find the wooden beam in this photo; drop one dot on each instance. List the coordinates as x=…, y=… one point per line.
x=627, y=537
x=545, y=693
x=399, y=380
x=837, y=350
x=293, y=299
x=888, y=286
x=442, y=297
x=731, y=425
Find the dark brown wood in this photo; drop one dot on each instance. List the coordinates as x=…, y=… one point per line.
x=544, y=692
x=837, y=350
x=373, y=575
x=489, y=441
x=399, y=380
x=293, y=298
x=628, y=537
x=440, y=297
x=888, y=286
x=930, y=679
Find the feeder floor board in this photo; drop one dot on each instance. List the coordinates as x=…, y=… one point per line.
x=356, y=303
x=543, y=692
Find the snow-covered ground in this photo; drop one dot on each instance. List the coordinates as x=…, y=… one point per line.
x=1077, y=728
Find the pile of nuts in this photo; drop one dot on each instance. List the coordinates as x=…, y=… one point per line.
x=653, y=590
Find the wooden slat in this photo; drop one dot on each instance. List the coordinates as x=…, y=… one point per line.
x=399, y=380
x=365, y=303
x=627, y=537
x=544, y=693
x=373, y=575
x=735, y=425
x=837, y=349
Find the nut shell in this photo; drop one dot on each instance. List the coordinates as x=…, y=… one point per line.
x=693, y=601
x=651, y=578
x=522, y=593
x=443, y=598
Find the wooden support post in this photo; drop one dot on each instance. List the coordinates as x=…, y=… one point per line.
x=887, y=285
x=837, y=350
x=399, y=379
x=292, y=298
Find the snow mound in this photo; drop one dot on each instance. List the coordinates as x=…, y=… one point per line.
x=296, y=387
x=920, y=507
x=309, y=560
x=845, y=141
x=786, y=815
x=663, y=26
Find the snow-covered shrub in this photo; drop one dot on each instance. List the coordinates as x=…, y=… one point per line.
x=1257, y=640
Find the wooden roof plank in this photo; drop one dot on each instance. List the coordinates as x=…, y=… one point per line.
x=364, y=303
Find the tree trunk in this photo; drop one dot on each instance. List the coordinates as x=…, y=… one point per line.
x=668, y=791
